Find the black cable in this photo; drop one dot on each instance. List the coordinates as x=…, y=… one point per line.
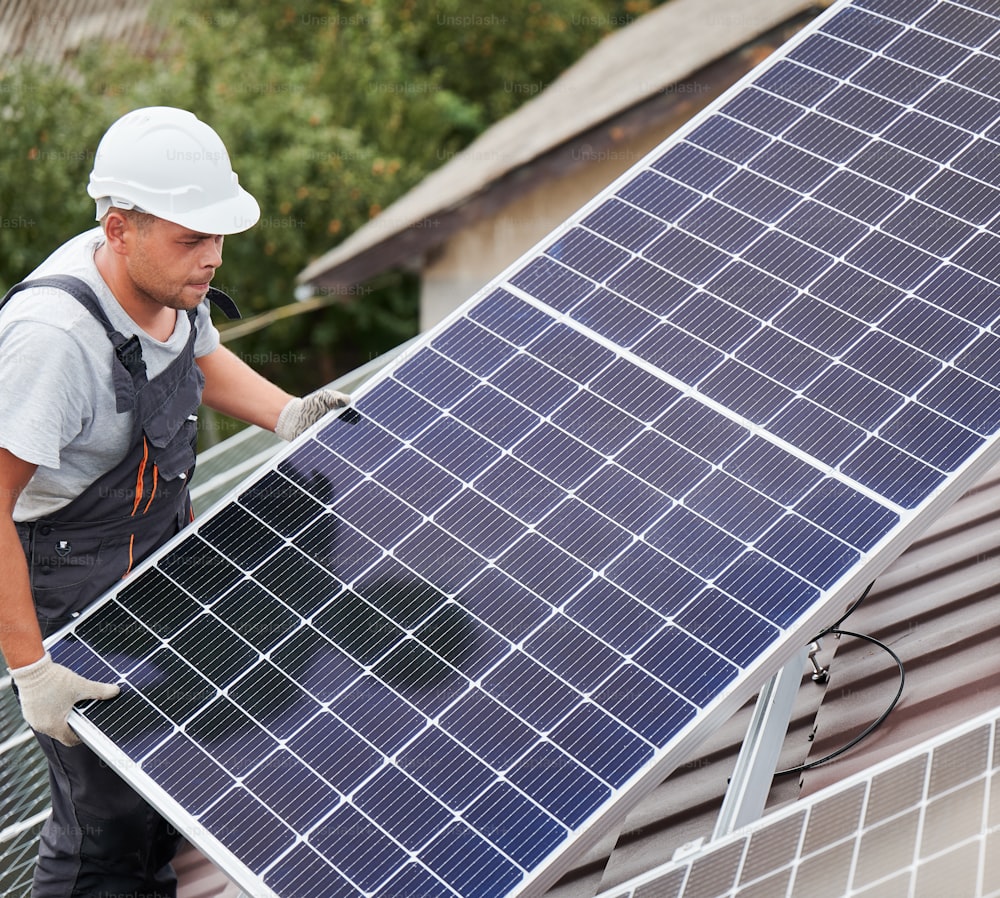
x=835, y=631
x=836, y=624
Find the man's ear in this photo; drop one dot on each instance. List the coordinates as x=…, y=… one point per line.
x=117, y=231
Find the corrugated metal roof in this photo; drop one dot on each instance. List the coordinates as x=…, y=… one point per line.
x=656, y=52
x=197, y=878
x=52, y=32
x=938, y=608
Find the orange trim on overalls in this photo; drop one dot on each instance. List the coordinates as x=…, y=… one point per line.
x=156, y=473
x=139, y=490
x=142, y=471
x=131, y=542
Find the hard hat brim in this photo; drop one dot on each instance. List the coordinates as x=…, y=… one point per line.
x=231, y=216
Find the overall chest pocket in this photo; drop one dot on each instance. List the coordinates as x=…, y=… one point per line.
x=168, y=408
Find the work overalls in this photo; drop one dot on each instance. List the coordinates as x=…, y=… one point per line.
x=102, y=839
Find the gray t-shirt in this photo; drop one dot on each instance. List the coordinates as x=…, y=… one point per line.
x=57, y=401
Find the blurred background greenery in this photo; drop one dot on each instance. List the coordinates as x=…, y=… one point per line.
x=330, y=110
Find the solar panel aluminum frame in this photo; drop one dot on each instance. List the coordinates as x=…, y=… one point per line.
x=731, y=698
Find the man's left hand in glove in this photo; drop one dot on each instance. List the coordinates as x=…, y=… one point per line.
x=301, y=413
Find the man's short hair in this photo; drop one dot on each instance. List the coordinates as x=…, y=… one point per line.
x=142, y=221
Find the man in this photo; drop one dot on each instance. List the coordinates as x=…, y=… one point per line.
x=106, y=353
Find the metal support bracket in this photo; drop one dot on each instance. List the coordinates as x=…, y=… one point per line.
x=758, y=758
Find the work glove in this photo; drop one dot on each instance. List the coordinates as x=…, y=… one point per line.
x=48, y=692
x=300, y=414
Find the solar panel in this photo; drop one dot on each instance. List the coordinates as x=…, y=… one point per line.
x=18, y=850
x=24, y=798
x=922, y=823
x=451, y=634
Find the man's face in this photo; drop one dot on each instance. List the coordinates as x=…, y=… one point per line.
x=172, y=265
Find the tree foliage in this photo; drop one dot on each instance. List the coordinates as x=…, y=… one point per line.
x=330, y=110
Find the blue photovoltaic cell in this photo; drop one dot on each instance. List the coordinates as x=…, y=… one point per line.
x=449, y=629
x=614, y=317
x=751, y=289
x=757, y=196
x=859, y=197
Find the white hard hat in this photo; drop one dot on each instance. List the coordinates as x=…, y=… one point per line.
x=167, y=162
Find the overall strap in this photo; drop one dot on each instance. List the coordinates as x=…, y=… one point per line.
x=130, y=376
x=78, y=289
x=129, y=351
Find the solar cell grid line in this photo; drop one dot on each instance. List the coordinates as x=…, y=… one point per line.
x=442, y=641
x=915, y=824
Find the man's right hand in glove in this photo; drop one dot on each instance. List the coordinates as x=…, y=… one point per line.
x=48, y=692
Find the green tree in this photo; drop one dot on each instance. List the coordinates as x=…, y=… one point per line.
x=331, y=110
x=44, y=165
